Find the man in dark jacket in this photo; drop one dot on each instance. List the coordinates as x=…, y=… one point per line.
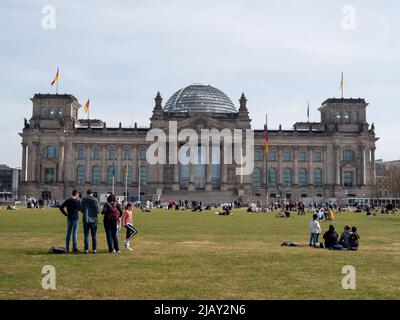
x=90, y=208
x=331, y=237
x=72, y=214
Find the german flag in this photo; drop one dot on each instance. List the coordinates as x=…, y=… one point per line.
x=56, y=77
x=86, y=107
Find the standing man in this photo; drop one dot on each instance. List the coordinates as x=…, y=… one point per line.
x=90, y=208
x=72, y=214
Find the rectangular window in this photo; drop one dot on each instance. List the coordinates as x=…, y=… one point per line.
x=96, y=154
x=348, y=179
x=142, y=154
x=257, y=155
x=318, y=156
x=80, y=154
x=272, y=155
x=49, y=175
x=127, y=154
x=302, y=156
x=287, y=156
x=112, y=154
x=143, y=176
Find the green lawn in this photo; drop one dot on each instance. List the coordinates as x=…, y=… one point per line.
x=185, y=255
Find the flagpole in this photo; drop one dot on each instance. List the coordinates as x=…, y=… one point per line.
x=341, y=87
x=139, y=181
x=266, y=160
x=126, y=183
x=113, y=179
x=308, y=111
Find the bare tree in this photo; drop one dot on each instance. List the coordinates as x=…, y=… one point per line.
x=393, y=173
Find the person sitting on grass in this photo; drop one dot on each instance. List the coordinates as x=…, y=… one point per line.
x=225, y=211
x=331, y=238
x=354, y=239
x=314, y=229
x=344, y=237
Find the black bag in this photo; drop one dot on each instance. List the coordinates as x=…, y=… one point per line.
x=57, y=250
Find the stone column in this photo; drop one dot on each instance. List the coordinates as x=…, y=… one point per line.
x=279, y=171
x=88, y=164
x=119, y=165
x=135, y=169
x=176, y=185
x=60, y=177
x=23, y=173
x=209, y=168
x=337, y=165
x=295, y=166
x=373, y=166
x=224, y=170
x=103, y=164
x=362, y=166
x=34, y=161
x=192, y=185
x=264, y=179
x=310, y=167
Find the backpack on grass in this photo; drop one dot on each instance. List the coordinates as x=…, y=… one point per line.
x=113, y=213
x=57, y=250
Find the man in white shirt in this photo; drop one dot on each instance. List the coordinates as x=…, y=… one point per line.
x=315, y=230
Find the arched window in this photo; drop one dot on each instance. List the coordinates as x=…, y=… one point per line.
x=348, y=155
x=50, y=152
x=272, y=177
x=143, y=176
x=287, y=177
x=96, y=175
x=302, y=177
x=257, y=177
x=111, y=172
x=317, y=177
x=80, y=175
x=128, y=177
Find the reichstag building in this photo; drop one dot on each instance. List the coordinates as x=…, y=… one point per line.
x=333, y=158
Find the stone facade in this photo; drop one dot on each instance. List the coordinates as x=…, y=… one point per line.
x=334, y=158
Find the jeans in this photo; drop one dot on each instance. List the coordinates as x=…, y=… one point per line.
x=92, y=227
x=313, y=239
x=72, y=226
x=111, y=235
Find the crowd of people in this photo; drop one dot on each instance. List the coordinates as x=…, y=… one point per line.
x=114, y=216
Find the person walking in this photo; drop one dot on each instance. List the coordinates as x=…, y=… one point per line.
x=112, y=212
x=127, y=222
x=72, y=214
x=90, y=208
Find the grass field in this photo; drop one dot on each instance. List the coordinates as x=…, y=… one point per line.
x=185, y=255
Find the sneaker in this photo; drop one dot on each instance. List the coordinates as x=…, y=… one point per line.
x=113, y=251
x=76, y=251
x=128, y=248
x=94, y=251
x=86, y=252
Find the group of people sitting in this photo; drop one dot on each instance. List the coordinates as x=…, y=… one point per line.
x=349, y=239
x=114, y=217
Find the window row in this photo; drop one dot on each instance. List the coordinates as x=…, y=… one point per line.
x=287, y=155
x=287, y=178
x=111, y=175
x=51, y=112
x=111, y=154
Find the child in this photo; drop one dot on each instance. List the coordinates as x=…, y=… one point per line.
x=353, y=239
x=315, y=230
x=127, y=223
x=331, y=216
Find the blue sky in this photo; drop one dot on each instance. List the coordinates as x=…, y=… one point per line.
x=280, y=53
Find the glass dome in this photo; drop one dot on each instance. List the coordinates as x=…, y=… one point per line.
x=199, y=98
